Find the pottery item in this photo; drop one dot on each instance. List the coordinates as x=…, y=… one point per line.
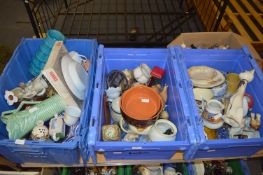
x=19, y=123
x=163, y=94
x=164, y=115
x=113, y=92
x=171, y=171
x=106, y=110
x=211, y=133
x=141, y=106
x=111, y=133
x=151, y=170
x=156, y=88
x=116, y=110
x=219, y=91
x=233, y=81
x=234, y=114
x=255, y=121
x=40, y=132
x=81, y=59
x=117, y=79
x=129, y=76
x=205, y=77
x=157, y=74
x=133, y=129
x=212, y=115
x=203, y=94
x=26, y=91
x=163, y=130
x=142, y=73
x=57, y=128
x=71, y=115
x=216, y=125
x=75, y=76
x=130, y=137
x=198, y=168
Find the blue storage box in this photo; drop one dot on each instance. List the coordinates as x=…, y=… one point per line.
x=119, y=59
x=232, y=60
x=16, y=71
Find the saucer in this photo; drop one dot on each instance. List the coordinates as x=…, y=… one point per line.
x=75, y=76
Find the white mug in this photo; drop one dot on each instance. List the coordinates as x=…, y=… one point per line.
x=134, y=129
x=71, y=115
x=157, y=131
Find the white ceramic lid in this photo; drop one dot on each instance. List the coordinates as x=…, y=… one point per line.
x=75, y=76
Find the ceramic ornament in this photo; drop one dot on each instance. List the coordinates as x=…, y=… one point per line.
x=111, y=133
x=234, y=114
x=142, y=73
x=40, y=132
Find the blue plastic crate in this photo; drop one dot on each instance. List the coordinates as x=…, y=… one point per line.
x=17, y=71
x=233, y=60
x=120, y=59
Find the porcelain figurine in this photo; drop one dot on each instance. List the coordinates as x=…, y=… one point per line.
x=255, y=121
x=28, y=91
x=163, y=94
x=142, y=73
x=234, y=114
x=57, y=128
x=113, y=93
x=111, y=133
x=40, y=132
x=130, y=137
x=156, y=88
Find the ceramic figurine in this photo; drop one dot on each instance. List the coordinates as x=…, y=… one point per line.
x=40, y=132
x=164, y=115
x=57, y=128
x=113, y=93
x=156, y=88
x=130, y=137
x=36, y=87
x=142, y=73
x=163, y=94
x=255, y=121
x=111, y=133
x=234, y=114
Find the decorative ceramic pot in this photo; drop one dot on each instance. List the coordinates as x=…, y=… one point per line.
x=111, y=133
x=40, y=132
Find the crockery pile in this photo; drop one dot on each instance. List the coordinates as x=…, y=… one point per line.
x=223, y=103
x=134, y=106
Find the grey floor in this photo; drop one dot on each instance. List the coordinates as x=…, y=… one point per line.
x=15, y=24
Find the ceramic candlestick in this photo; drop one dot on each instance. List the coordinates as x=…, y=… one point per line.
x=234, y=114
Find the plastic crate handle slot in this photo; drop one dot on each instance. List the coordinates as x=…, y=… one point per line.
x=27, y=151
x=244, y=145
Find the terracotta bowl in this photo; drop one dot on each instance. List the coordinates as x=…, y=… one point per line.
x=141, y=106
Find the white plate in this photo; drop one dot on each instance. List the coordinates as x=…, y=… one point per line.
x=75, y=76
x=205, y=77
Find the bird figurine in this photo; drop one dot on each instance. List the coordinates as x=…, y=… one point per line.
x=234, y=114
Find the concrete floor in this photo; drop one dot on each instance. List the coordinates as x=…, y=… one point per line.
x=14, y=23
